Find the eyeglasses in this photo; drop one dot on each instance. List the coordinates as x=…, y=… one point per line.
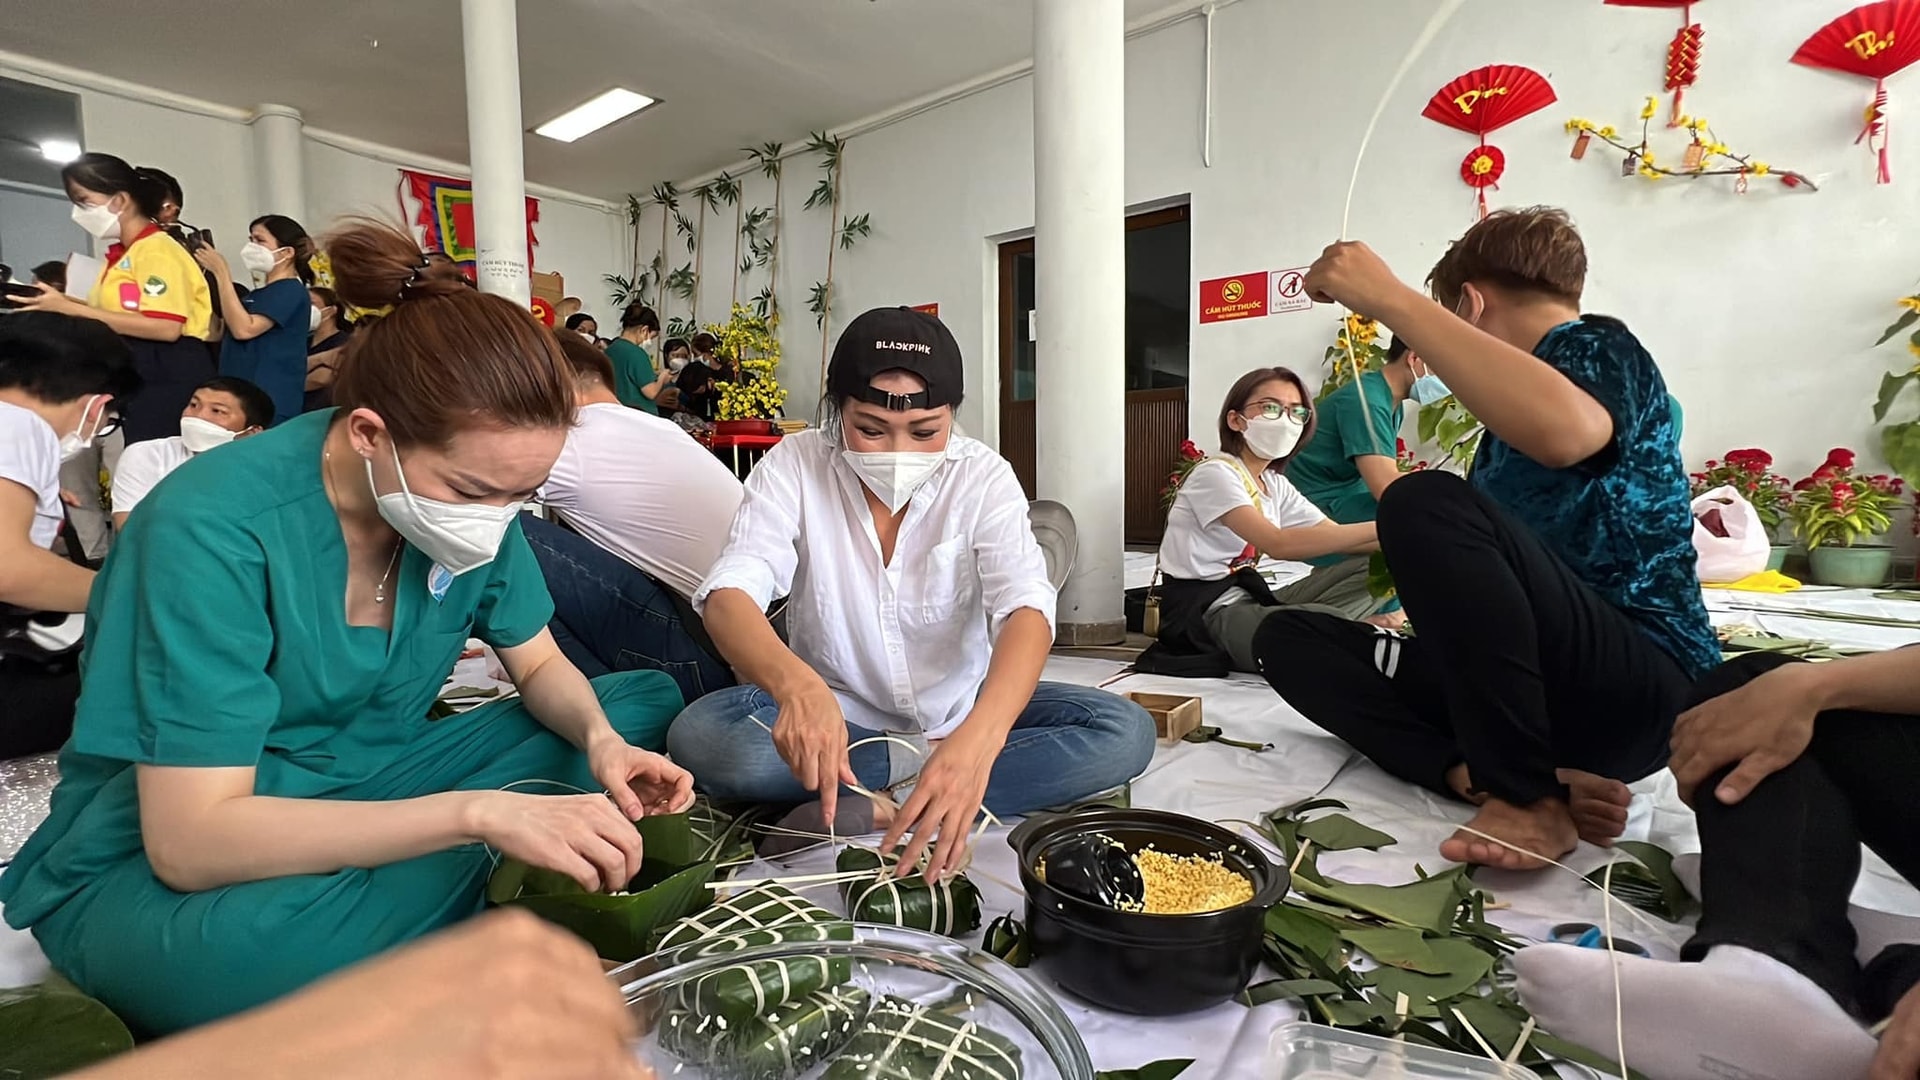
x=108, y=425
x=1273, y=410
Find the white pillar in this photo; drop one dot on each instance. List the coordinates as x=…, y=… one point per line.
x=491, y=36
x=1079, y=216
x=279, y=163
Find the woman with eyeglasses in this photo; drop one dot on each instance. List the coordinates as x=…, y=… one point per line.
x=1233, y=510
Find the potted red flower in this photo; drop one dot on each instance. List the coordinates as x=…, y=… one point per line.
x=1750, y=472
x=1838, y=507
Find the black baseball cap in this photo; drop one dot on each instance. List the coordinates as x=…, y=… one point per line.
x=896, y=339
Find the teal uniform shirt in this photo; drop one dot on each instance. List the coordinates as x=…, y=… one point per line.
x=632, y=370
x=1348, y=428
x=1623, y=519
x=217, y=637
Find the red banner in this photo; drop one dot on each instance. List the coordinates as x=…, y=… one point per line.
x=1243, y=296
x=446, y=216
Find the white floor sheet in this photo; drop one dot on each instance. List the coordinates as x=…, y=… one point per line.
x=1225, y=783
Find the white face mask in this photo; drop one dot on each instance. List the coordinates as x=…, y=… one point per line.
x=1274, y=438
x=894, y=475
x=458, y=536
x=99, y=220
x=675, y=364
x=73, y=443
x=258, y=257
x=200, y=436
x=314, y=318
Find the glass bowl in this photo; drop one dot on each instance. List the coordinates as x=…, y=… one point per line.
x=897, y=1003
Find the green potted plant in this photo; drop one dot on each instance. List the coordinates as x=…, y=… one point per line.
x=1750, y=472
x=1834, y=510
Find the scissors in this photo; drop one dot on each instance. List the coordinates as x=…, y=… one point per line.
x=1589, y=936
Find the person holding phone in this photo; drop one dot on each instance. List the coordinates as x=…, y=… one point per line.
x=266, y=342
x=150, y=292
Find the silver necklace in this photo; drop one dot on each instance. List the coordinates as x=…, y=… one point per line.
x=379, y=588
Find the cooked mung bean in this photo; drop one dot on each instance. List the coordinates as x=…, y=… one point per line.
x=1189, y=884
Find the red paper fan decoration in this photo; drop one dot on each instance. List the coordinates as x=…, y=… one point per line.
x=1683, y=53
x=1482, y=102
x=1874, y=41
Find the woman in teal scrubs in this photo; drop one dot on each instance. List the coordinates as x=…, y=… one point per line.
x=255, y=793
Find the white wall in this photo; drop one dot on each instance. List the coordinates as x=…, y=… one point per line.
x=212, y=157
x=35, y=228
x=1762, y=309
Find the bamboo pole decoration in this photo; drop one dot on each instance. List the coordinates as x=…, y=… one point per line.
x=704, y=196
x=773, y=263
x=739, y=207
x=833, y=241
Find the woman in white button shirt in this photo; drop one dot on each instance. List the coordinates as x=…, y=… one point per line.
x=919, y=608
x=1232, y=510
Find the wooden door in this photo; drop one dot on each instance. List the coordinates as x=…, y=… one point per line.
x=1155, y=359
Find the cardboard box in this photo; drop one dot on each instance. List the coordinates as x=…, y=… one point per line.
x=1174, y=715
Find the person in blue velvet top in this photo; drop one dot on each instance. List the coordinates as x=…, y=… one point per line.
x=1557, y=613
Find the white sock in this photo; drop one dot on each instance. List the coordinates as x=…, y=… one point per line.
x=1736, y=1015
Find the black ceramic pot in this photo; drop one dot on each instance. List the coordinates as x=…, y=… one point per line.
x=1147, y=965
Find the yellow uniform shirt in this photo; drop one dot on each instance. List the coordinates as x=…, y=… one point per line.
x=154, y=276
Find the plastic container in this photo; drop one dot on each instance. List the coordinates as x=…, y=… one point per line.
x=892, y=970
x=1302, y=1051
x=1147, y=965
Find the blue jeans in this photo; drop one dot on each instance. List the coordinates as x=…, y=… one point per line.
x=609, y=616
x=1070, y=742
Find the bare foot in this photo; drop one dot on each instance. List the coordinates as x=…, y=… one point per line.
x=806, y=826
x=1527, y=835
x=1388, y=620
x=1597, y=804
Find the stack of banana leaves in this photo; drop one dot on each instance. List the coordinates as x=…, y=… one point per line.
x=1437, y=975
x=949, y=906
x=682, y=853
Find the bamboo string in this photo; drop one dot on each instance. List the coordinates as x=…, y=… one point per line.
x=1441, y=15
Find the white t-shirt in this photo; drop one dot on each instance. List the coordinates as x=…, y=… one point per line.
x=905, y=645
x=640, y=487
x=30, y=457
x=143, y=465
x=1198, y=545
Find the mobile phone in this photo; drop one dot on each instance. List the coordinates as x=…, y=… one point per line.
x=10, y=288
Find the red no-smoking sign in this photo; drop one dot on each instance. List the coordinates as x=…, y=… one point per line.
x=1290, y=291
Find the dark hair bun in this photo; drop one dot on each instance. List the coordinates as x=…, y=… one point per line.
x=375, y=264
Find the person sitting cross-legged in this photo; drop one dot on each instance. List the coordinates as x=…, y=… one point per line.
x=919, y=608
x=222, y=409
x=645, y=511
x=1558, y=615
x=1790, y=766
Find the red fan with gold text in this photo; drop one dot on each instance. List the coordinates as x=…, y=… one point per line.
x=1874, y=41
x=1482, y=102
x=1683, y=53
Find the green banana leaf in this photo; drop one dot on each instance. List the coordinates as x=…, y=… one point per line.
x=53, y=1029
x=1429, y=904
x=905, y=1041
x=1159, y=1070
x=1462, y=965
x=622, y=928
x=763, y=916
x=1338, y=832
x=1006, y=938
x=1394, y=946
x=950, y=906
x=1280, y=989
x=787, y=1041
